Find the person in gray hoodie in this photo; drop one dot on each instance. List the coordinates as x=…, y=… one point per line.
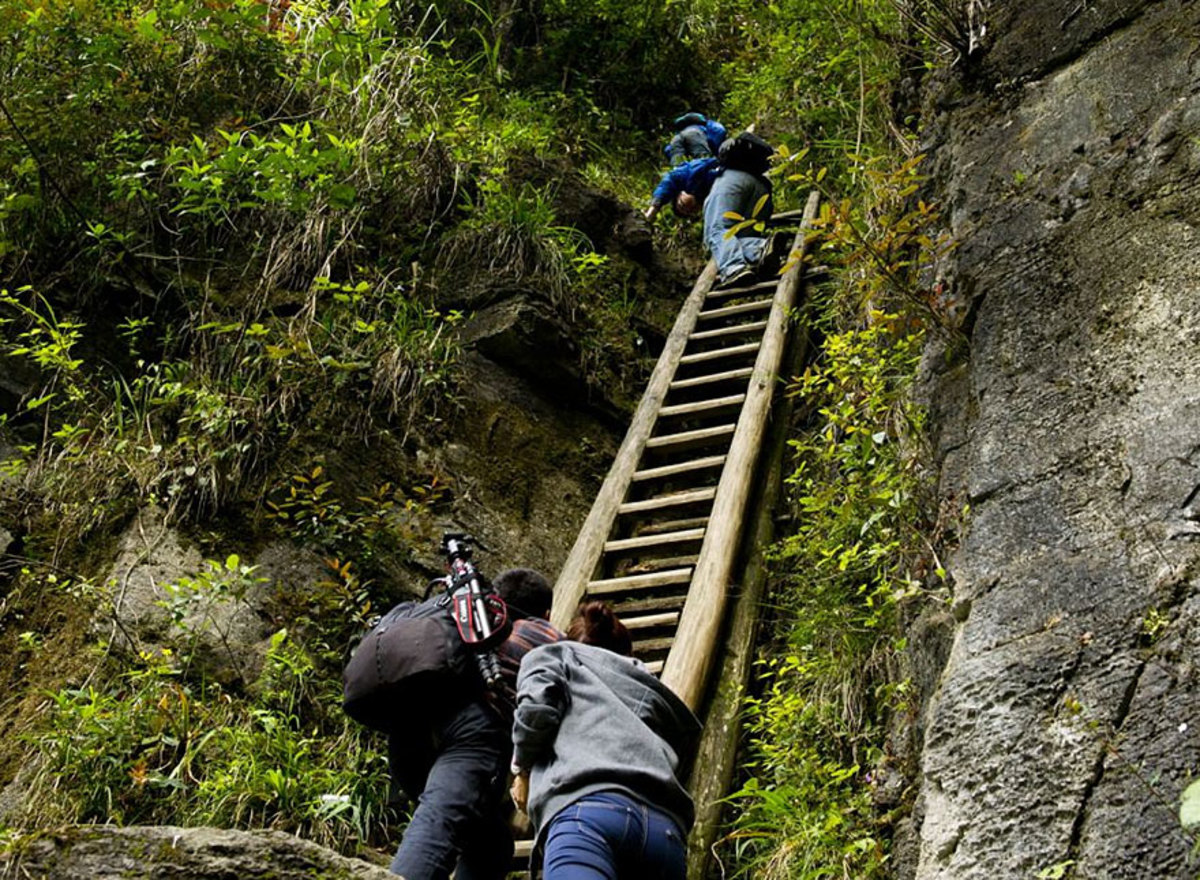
x=600, y=751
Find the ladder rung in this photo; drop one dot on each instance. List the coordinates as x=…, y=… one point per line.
x=740, y=309
x=685, y=437
x=720, y=292
x=717, y=353
x=691, y=409
x=727, y=376
x=735, y=330
x=661, y=563
x=656, y=603
x=673, y=500
x=674, y=470
x=674, y=525
x=640, y=582
x=652, y=645
x=655, y=667
x=646, y=621
x=686, y=536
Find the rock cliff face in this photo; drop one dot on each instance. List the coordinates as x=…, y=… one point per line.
x=1065, y=725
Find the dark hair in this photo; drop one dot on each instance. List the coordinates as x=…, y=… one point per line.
x=526, y=590
x=597, y=624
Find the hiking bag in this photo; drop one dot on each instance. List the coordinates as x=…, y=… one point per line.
x=412, y=661
x=746, y=152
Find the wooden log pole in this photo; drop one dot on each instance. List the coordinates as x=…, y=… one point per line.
x=584, y=557
x=717, y=752
x=687, y=666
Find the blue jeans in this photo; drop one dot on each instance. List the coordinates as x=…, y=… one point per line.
x=458, y=819
x=739, y=192
x=607, y=836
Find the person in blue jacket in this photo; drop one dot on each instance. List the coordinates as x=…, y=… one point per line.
x=706, y=185
x=696, y=137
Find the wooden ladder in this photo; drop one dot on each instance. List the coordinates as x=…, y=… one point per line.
x=661, y=540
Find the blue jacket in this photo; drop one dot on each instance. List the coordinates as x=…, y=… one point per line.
x=695, y=177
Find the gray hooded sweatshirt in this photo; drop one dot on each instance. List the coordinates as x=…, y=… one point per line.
x=589, y=720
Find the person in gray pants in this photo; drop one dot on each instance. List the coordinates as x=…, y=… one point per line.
x=737, y=192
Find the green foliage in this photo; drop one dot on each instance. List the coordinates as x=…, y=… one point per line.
x=386, y=523
x=1056, y=871
x=1189, y=806
x=806, y=811
x=266, y=198
x=817, y=733
x=179, y=433
x=886, y=242
x=829, y=63
x=153, y=747
x=621, y=55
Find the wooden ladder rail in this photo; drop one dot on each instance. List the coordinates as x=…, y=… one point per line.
x=585, y=555
x=690, y=655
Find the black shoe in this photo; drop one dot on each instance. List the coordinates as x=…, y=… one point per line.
x=742, y=276
x=776, y=252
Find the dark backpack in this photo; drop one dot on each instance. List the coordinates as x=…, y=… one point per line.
x=746, y=152
x=412, y=662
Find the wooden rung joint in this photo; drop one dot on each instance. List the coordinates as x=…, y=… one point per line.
x=655, y=603
x=647, y=621
x=717, y=353
x=674, y=470
x=666, y=441
x=702, y=406
x=722, y=292
x=734, y=330
x=658, y=528
x=649, y=646
x=711, y=378
x=740, y=309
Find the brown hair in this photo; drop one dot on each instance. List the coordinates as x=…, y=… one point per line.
x=597, y=624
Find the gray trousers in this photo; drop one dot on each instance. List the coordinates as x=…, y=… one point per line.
x=737, y=192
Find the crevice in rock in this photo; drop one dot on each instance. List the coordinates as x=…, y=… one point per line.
x=1187, y=502
x=1101, y=763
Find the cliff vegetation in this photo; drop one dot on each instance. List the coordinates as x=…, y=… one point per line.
x=289, y=287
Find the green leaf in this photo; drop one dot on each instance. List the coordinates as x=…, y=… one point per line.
x=1055, y=872
x=1189, y=805
x=342, y=195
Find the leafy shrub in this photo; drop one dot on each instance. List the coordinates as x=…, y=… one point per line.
x=188, y=434
x=857, y=545
x=151, y=746
x=817, y=730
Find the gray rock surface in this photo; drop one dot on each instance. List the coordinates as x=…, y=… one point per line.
x=226, y=636
x=1065, y=723
x=166, y=853
x=525, y=470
